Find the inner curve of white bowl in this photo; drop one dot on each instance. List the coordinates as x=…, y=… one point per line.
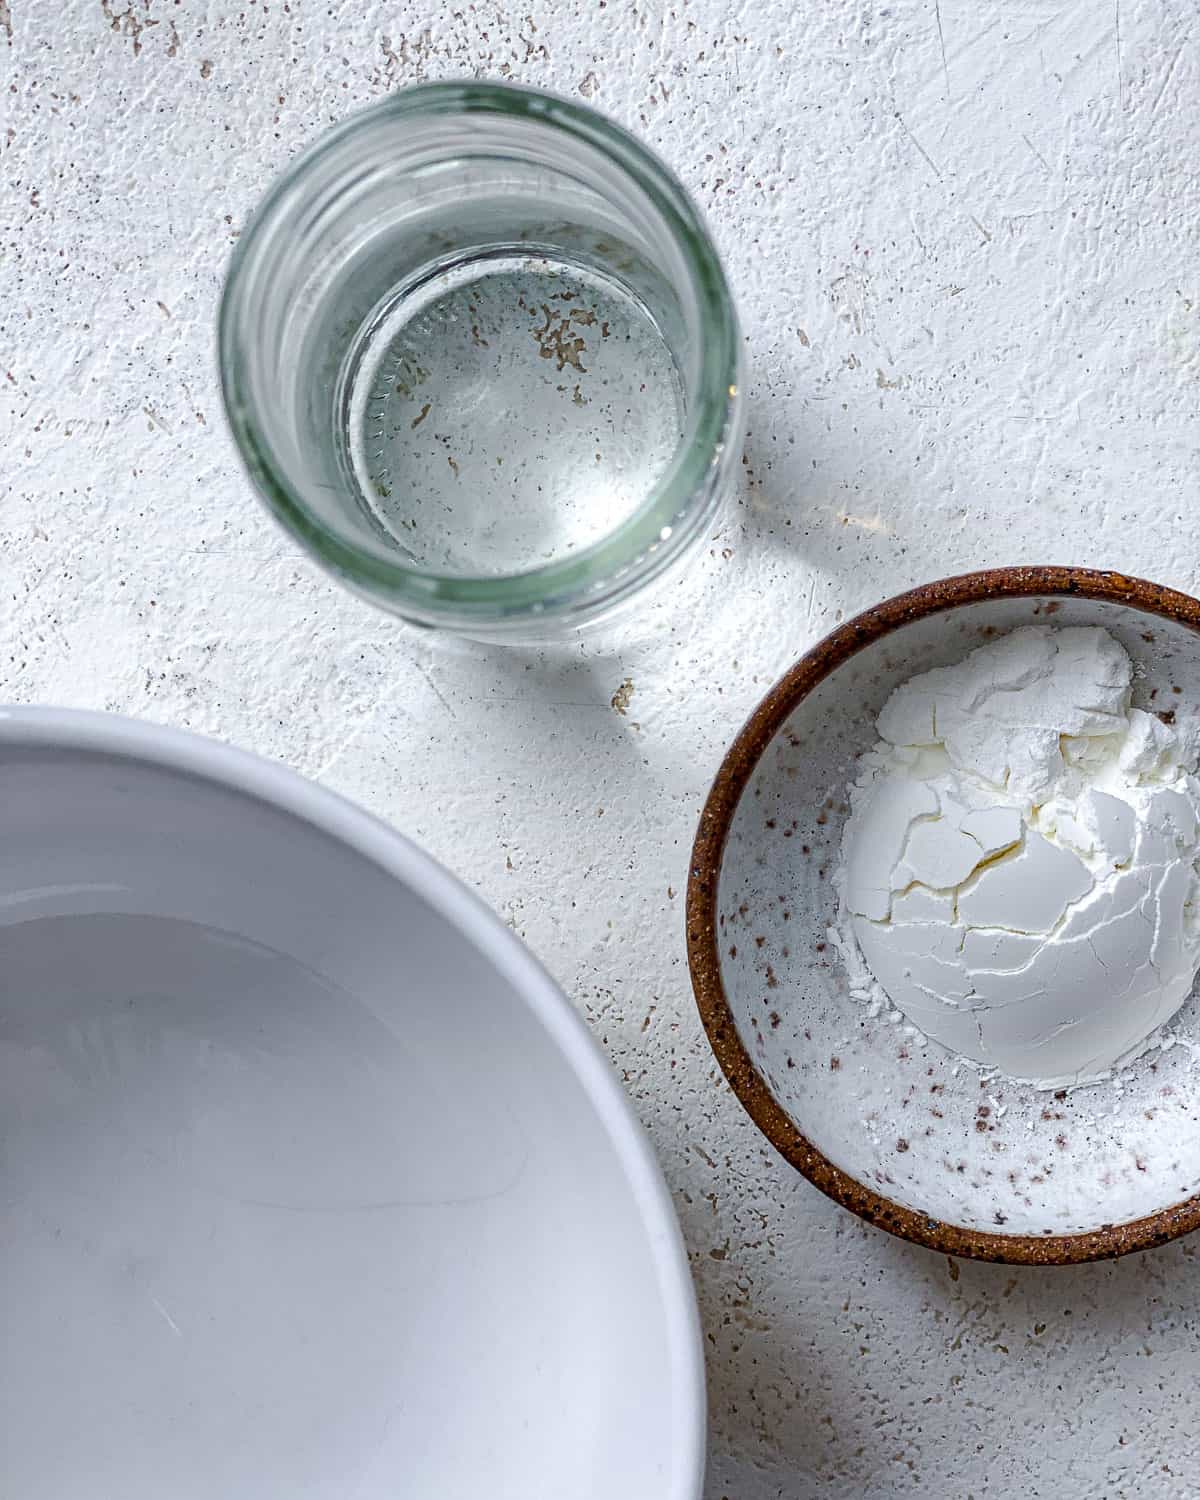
x=300, y=1193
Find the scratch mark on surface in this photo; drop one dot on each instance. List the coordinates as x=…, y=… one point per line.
x=549, y=702
x=987, y=234
x=371, y=721
x=167, y=1318
x=864, y=523
x=1120, y=67
x=6, y=19
x=1167, y=76
x=427, y=674
x=1037, y=154
x=155, y=419
x=937, y=10
x=936, y=169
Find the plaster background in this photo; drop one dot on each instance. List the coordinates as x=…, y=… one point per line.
x=963, y=239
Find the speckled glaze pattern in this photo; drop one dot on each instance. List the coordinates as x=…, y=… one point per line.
x=962, y=242
x=888, y=1124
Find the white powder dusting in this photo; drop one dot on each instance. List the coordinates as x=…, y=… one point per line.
x=1019, y=871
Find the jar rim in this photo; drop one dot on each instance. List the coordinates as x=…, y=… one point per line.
x=602, y=565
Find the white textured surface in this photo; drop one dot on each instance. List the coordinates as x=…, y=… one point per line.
x=963, y=240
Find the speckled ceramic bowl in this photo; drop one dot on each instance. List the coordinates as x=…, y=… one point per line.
x=883, y=1121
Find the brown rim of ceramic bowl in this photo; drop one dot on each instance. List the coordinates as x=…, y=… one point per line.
x=703, y=877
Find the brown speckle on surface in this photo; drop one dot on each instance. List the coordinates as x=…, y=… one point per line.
x=132, y=22
x=620, y=699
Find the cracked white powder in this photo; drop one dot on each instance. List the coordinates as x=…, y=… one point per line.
x=1019, y=869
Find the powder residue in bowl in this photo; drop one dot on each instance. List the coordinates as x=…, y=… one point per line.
x=1019, y=868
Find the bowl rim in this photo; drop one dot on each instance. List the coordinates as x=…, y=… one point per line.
x=88, y=732
x=738, y=765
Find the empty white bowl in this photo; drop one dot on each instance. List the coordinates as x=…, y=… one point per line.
x=885, y=1122
x=312, y=1184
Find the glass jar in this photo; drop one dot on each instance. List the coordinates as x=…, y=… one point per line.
x=480, y=359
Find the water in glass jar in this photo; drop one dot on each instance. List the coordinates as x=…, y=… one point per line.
x=507, y=412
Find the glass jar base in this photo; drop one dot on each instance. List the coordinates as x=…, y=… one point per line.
x=507, y=411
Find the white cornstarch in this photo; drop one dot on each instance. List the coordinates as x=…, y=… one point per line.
x=1019, y=868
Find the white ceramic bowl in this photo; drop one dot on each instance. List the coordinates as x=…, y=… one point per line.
x=882, y=1120
x=312, y=1184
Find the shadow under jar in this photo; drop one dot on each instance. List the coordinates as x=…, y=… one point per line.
x=480, y=358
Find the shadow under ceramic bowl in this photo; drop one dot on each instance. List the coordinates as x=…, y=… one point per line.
x=882, y=1120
